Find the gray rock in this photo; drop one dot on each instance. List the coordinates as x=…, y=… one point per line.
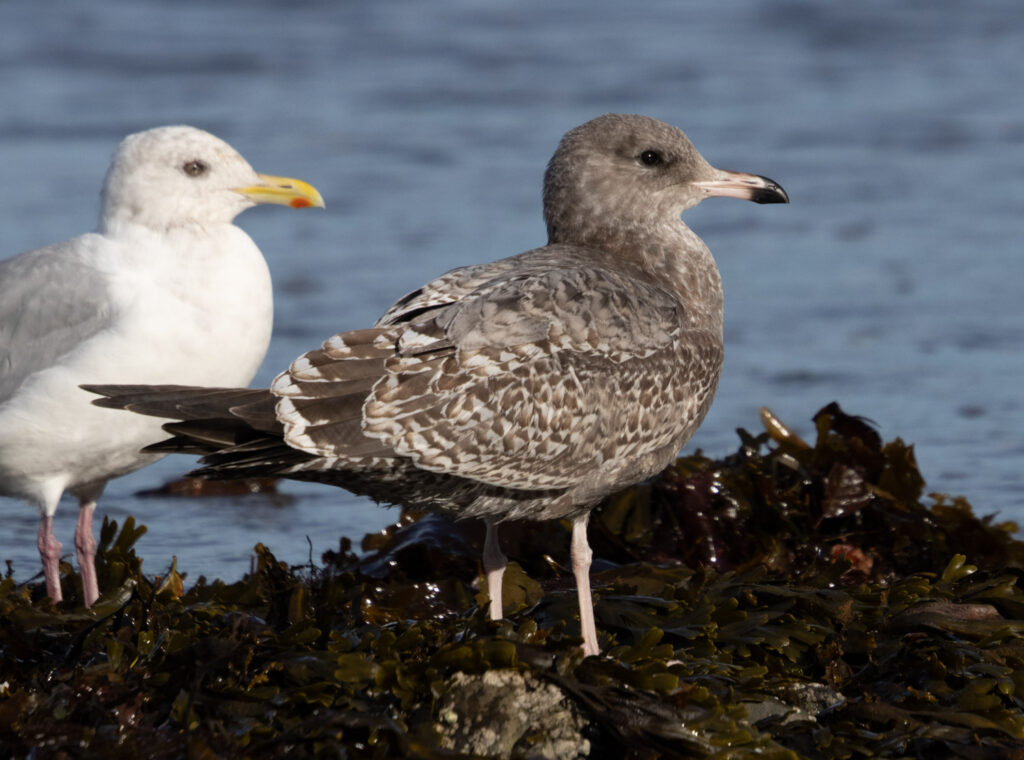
x=508, y=714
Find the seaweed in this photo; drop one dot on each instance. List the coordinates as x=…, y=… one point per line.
x=790, y=600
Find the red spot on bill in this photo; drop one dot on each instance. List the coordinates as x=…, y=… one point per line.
x=299, y=203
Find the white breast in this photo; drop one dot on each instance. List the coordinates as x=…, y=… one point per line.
x=189, y=308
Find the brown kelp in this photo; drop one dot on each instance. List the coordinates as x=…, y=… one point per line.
x=790, y=600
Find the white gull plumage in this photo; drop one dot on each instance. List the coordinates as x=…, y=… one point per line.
x=529, y=387
x=166, y=289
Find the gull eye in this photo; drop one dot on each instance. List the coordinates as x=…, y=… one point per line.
x=195, y=168
x=651, y=158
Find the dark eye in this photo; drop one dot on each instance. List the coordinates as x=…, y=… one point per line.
x=651, y=158
x=195, y=168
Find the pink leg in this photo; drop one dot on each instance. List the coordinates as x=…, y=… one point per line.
x=581, y=556
x=494, y=567
x=85, y=551
x=49, y=553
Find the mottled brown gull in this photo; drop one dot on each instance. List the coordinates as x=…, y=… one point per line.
x=529, y=387
x=166, y=290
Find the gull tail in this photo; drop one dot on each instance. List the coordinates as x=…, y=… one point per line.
x=231, y=423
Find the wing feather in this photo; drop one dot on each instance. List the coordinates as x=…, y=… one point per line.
x=51, y=301
x=518, y=376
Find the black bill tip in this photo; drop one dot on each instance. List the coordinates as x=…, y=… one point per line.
x=770, y=192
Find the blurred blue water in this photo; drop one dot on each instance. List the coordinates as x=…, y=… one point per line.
x=891, y=284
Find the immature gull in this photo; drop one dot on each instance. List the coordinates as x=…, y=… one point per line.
x=166, y=290
x=530, y=387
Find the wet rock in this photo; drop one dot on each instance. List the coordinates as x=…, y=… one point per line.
x=794, y=703
x=811, y=697
x=508, y=714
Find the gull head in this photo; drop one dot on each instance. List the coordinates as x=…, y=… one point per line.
x=177, y=176
x=627, y=172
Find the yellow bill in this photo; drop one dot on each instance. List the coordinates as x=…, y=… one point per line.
x=284, y=191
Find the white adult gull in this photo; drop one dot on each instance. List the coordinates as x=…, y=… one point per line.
x=165, y=290
x=529, y=387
